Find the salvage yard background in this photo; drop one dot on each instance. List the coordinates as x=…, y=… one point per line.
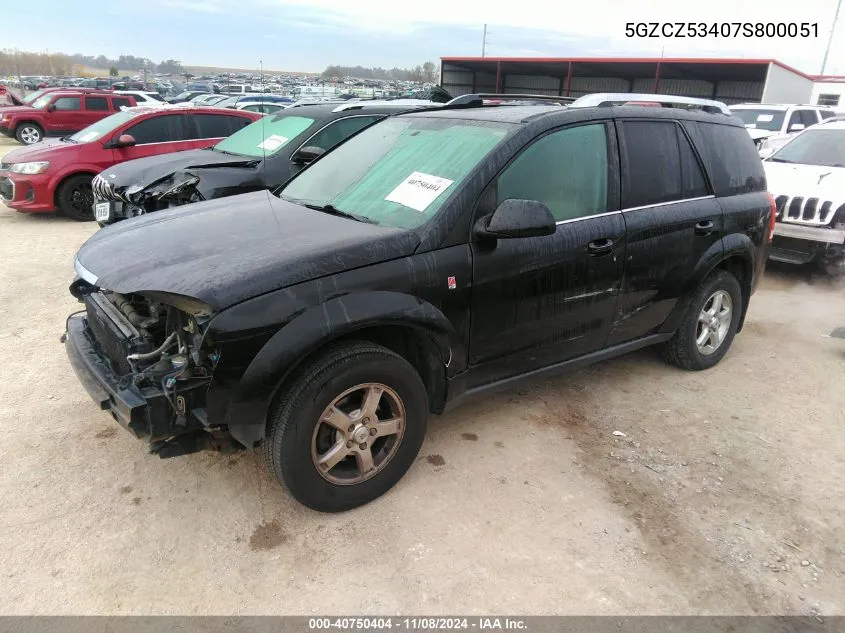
x=720, y=493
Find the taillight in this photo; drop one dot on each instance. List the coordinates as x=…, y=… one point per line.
x=774, y=211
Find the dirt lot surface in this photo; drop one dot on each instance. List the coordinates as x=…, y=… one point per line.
x=724, y=495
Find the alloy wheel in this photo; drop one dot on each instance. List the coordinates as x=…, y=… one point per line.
x=714, y=321
x=358, y=434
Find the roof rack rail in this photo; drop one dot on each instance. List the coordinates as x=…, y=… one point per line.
x=477, y=99
x=605, y=99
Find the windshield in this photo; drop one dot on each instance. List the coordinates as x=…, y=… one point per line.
x=771, y=120
x=27, y=100
x=398, y=172
x=154, y=95
x=41, y=102
x=266, y=136
x=814, y=147
x=103, y=127
x=228, y=102
x=183, y=95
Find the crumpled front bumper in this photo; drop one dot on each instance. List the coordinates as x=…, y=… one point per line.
x=126, y=403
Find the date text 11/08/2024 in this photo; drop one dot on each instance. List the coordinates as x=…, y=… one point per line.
x=722, y=29
x=417, y=624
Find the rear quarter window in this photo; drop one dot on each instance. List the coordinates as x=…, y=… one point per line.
x=729, y=156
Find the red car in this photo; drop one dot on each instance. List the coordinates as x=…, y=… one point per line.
x=59, y=113
x=56, y=175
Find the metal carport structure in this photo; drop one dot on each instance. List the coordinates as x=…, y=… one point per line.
x=727, y=80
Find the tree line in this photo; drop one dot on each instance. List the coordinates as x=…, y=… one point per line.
x=14, y=62
x=427, y=72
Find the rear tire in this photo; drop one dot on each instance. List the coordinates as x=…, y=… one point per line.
x=75, y=198
x=29, y=133
x=378, y=407
x=709, y=326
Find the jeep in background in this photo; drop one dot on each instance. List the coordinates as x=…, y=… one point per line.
x=807, y=178
x=59, y=113
x=435, y=255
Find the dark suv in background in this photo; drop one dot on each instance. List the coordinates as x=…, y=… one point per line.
x=435, y=255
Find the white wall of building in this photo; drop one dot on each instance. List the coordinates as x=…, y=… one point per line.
x=784, y=86
x=829, y=88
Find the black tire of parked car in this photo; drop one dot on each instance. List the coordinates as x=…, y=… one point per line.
x=75, y=198
x=29, y=133
x=298, y=411
x=681, y=350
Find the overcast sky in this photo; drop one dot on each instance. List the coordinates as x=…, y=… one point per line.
x=308, y=35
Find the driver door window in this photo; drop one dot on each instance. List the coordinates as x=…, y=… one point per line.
x=337, y=132
x=159, y=129
x=565, y=170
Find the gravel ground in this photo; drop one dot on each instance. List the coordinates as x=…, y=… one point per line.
x=724, y=495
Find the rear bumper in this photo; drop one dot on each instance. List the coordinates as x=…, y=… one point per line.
x=27, y=194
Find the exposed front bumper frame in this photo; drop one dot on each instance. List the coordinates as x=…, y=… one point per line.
x=810, y=233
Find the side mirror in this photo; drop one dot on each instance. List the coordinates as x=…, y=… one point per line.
x=796, y=127
x=517, y=218
x=308, y=154
x=51, y=107
x=124, y=140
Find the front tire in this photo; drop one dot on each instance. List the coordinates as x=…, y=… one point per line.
x=29, y=133
x=709, y=326
x=75, y=198
x=348, y=428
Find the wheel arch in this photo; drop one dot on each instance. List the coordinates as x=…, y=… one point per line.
x=414, y=329
x=62, y=179
x=733, y=254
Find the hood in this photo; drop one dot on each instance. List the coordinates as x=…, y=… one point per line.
x=825, y=183
x=39, y=151
x=228, y=250
x=18, y=109
x=756, y=134
x=142, y=172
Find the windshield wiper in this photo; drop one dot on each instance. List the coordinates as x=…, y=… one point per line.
x=327, y=208
x=781, y=160
x=67, y=139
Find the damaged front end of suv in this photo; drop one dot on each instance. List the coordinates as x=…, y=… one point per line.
x=119, y=203
x=146, y=358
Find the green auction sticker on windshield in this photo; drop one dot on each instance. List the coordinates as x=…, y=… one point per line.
x=418, y=190
x=273, y=142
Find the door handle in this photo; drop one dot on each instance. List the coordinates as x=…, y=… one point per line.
x=705, y=227
x=599, y=247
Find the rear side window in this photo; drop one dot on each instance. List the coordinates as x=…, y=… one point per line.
x=651, y=167
x=809, y=117
x=218, y=125
x=119, y=102
x=158, y=129
x=826, y=114
x=338, y=131
x=730, y=157
x=100, y=104
x=67, y=103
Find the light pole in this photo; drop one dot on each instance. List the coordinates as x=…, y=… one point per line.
x=832, y=31
x=484, y=41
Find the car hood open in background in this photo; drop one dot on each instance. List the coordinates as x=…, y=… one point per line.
x=228, y=250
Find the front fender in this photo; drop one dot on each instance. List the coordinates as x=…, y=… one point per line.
x=314, y=328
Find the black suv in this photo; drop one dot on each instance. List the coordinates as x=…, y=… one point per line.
x=265, y=154
x=433, y=256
